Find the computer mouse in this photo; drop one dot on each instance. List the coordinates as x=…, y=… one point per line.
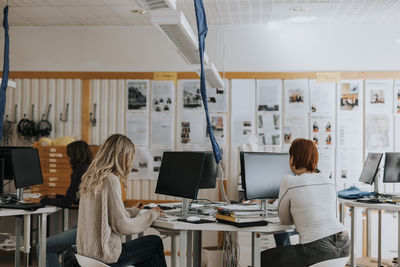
x=193, y=219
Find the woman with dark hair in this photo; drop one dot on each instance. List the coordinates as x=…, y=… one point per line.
x=80, y=157
x=307, y=199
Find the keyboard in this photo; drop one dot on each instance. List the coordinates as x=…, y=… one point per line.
x=21, y=206
x=168, y=218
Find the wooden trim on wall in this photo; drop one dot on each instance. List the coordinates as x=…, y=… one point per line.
x=85, y=123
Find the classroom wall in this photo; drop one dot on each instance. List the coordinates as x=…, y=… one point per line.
x=273, y=47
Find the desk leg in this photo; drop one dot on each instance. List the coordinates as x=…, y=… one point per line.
x=368, y=219
x=197, y=248
x=256, y=250
x=42, y=240
x=27, y=237
x=353, y=258
x=189, y=248
x=379, y=238
x=341, y=212
x=18, y=228
x=182, y=248
x=174, y=250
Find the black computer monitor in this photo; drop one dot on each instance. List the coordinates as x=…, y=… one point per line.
x=262, y=173
x=5, y=155
x=181, y=174
x=208, y=177
x=391, y=173
x=371, y=167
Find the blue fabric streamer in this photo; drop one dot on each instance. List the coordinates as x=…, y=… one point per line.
x=6, y=70
x=202, y=33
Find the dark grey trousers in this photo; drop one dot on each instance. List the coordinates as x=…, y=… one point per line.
x=303, y=255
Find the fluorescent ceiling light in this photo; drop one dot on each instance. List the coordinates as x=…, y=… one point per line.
x=157, y=4
x=178, y=30
x=213, y=78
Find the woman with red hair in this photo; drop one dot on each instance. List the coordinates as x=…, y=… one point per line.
x=307, y=199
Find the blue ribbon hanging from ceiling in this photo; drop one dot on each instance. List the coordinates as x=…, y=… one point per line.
x=202, y=33
x=6, y=70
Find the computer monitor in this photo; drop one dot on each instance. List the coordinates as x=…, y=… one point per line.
x=181, y=174
x=5, y=155
x=371, y=167
x=262, y=173
x=26, y=167
x=391, y=173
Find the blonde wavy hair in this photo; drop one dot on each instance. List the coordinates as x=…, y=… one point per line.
x=115, y=156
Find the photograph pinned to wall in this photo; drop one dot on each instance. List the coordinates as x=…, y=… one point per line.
x=349, y=163
x=191, y=130
x=217, y=99
x=379, y=132
x=322, y=130
x=322, y=97
x=137, y=128
x=396, y=97
x=294, y=127
x=191, y=96
x=142, y=164
x=269, y=95
x=163, y=97
x=378, y=96
x=138, y=91
x=269, y=128
x=350, y=95
x=157, y=155
x=350, y=131
x=162, y=131
x=296, y=96
x=326, y=161
x=218, y=125
x=241, y=130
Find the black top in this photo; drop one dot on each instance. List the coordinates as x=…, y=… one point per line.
x=71, y=195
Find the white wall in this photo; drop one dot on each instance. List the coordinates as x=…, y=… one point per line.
x=274, y=47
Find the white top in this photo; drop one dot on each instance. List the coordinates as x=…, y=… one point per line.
x=309, y=201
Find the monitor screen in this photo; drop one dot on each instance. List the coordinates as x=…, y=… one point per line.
x=262, y=173
x=370, y=169
x=180, y=174
x=26, y=167
x=209, y=173
x=391, y=173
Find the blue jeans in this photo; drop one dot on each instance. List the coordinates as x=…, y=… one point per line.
x=146, y=251
x=57, y=244
x=283, y=239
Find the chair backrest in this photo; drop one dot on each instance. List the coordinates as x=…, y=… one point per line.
x=89, y=262
x=340, y=262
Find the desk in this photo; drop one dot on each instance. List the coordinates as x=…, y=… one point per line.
x=370, y=206
x=18, y=213
x=188, y=232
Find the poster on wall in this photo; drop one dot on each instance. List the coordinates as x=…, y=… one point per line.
x=294, y=127
x=350, y=96
x=350, y=131
x=138, y=92
x=269, y=126
x=156, y=160
x=326, y=162
x=191, y=130
x=217, y=99
x=137, y=128
x=322, y=98
x=163, y=97
x=378, y=96
x=142, y=164
x=397, y=134
x=349, y=163
x=396, y=97
x=269, y=95
x=379, y=132
x=191, y=96
x=162, y=131
x=218, y=125
x=243, y=111
x=296, y=96
x=322, y=130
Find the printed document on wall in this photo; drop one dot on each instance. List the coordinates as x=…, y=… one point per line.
x=217, y=99
x=137, y=128
x=379, y=132
x=397, y=134
x=269, y=125
x=379, y=96
x=326, y=162
x=396, y=97
x=296, y=98
x=191, y=128
x=156, y=159
x=190, y=94
x=294, y=127
x=269, y=95
x=138, y=94
x=142, y=164
x=322, y=98
x=349, y=163
x=162, y=131
x=218, y=121
x=243, y=111
x=350, y=131
x=322, y=130
x=163, y=97
x=350, y=96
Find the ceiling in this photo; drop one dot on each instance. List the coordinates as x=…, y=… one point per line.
x=237, y=12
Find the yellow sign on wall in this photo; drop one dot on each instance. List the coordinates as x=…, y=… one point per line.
x=328, y=77
x=165, y=76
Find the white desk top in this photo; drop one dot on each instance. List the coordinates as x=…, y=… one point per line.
x=16, y=212
x=374, y=206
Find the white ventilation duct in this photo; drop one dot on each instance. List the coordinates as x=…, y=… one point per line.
x=213, y=78
x=157, y=4
x=178, y=30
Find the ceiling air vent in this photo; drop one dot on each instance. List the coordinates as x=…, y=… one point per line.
x=157, y=4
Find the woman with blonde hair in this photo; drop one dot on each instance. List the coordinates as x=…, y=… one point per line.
x=103, y=219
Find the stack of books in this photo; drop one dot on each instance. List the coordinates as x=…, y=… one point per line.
x=240, y=215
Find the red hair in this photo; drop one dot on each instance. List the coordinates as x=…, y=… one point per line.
x=305, y=154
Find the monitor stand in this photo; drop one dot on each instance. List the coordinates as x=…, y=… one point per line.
x=185, y=207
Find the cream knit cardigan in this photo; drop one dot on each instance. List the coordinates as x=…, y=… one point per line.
x=103, y=220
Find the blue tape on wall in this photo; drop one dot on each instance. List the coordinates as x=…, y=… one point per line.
x=202, y=33
x=6, y=70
